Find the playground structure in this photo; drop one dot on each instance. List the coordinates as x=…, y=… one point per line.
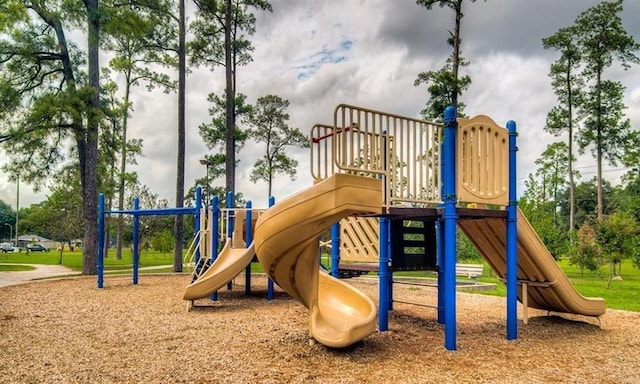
x=374, y=171
x=370, y=163
x=230, y=226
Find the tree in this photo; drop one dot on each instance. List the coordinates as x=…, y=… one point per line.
x=446, y=84
x=45, y=101
x=7, y=220
x=219, y=40
x=566, y=85
x=138, y=36
x=601, y=38
x=586, y=201
x=585, y=252
x=616, y=235
x=553, y=165
x=269, y=120
x=178, y=225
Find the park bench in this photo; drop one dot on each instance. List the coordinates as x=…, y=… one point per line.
x=471, y=271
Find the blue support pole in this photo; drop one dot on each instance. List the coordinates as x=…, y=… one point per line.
x=449, y=217
x=270, y=288
x=512, y=239
x=440, y=257
x=335, y=250
x=248, y=239
x=389, y=235
x=215, y=240
x=383, y=276
x=136, y=242
x=230, y=224
x=196, y=224
x=100, y=262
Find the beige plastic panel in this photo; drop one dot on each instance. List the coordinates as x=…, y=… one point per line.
x=359, y=239
x=483, y=161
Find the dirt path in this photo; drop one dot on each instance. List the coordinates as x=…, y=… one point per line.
x=40, y=271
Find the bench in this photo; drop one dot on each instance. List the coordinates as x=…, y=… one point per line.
x=471, y=271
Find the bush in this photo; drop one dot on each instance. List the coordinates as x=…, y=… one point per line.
x=163, y=242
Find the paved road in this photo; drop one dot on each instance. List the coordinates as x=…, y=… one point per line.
x=40, y=271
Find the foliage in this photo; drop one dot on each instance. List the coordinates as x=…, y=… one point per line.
x=7, y=220
x=139, y=36
x=58, y=217
x=220, y=31
x=47, y=102
x=269, y=119
x=446, y=84
x=467, y=252
x=616, y=235
x=441, y=85
x=602, y=39
x=585, y=253
x=163, y=242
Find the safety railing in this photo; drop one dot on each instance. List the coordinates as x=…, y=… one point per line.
x=405, y=152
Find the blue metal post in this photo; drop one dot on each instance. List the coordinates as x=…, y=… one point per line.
x=383, y=276
x=248, y=239
x=215, y=240
x=230, y=225
x=196, y=224
x=449, y=217
x=512, y=239
x=100, y=263
x=440, y=256
x=335, y=250
x=389, y=235
x=136, y=242
x=270, y=289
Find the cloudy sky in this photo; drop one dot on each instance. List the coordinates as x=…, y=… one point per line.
x=318, y=54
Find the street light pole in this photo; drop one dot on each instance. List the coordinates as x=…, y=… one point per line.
x=206, y=163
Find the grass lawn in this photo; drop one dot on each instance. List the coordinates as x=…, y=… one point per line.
x=15, y=268
x=73, y=259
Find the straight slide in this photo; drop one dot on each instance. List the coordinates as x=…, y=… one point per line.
x=229, y=263
x=548, y=288
x=286, y=242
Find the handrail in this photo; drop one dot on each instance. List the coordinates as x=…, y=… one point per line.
x=405, y=153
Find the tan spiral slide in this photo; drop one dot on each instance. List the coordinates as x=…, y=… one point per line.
x=286, y=242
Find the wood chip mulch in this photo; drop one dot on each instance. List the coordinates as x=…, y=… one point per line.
x=68, y=331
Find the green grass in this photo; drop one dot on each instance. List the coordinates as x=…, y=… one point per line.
x=73, y=259
x=15, y=268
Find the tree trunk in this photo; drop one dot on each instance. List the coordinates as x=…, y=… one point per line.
x=90, y=185
x=572, y=184
x=600, y=205
x=230, y=145
x=178, y=228
x=123, y=165
x=456, y=54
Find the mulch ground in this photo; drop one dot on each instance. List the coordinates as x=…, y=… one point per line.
x=68, y=331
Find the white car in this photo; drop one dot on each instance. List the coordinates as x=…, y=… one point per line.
x=8, y=247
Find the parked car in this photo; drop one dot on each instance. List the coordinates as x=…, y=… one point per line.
x=8, y=247
x=37, y=248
